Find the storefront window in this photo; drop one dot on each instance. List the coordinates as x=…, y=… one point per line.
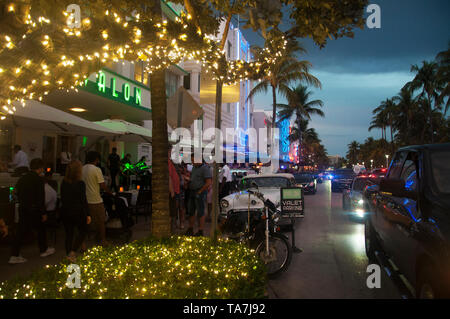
x=171, y=84
x=138, y=71
x=5, y=146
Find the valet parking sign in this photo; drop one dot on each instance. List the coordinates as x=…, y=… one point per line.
x=292, y=204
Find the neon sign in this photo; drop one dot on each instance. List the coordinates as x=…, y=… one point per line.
x=112, y=90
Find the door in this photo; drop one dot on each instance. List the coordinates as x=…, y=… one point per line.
x=385, y=204
x=406, y=220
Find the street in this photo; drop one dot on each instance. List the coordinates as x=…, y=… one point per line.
x=333, y=262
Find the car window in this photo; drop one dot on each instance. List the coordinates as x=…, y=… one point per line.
x=359, y=184
x=396, y=165
x=441, y=170
x=265, y=182
x=303, y=178
x=293, y=183
x=409, y=175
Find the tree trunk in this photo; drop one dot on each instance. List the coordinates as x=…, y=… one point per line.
x=215, y=194
x=274, y=120
x=430, y=115
x=160, y=225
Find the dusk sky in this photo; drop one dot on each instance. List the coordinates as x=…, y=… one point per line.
x=357, y=74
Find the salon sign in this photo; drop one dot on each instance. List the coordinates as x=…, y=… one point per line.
x=116, y=87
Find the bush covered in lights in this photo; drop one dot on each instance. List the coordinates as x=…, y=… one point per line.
x=175, y=268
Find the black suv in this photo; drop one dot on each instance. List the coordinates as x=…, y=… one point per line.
x=342, y=179
x=409, y=218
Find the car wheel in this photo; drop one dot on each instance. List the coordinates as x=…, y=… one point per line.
x=371, y=243
x=427, y=285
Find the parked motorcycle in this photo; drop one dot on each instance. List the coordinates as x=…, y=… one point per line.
x=259, y=230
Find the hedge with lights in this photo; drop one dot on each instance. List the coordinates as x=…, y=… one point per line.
x=174, y=268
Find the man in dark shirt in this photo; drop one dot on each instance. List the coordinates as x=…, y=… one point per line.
x=30, y=190
x=200, y=182
x=114, y=168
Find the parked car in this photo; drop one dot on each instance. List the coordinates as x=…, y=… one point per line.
x=353, y=200
x=410, y=218
x=319, y=178
x=377, y=173
x=342, y=179
x=268, y=184
x=306, y=181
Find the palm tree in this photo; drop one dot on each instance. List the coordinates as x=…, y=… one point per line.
x=426, y=79
x=283, y=69
x=443, y=74
x=352, y=153
x=300, y=106
x=406, y=107
x=379, y=122
x=385, y=114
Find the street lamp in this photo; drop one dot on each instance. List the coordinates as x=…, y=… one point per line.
x=387, y=162
x=371, y=163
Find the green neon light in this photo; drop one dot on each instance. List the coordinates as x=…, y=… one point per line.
x=99, y=87
x=113, y=87
x=138, y=95
x=84, y=141
x=126, y=91
x=101, y=82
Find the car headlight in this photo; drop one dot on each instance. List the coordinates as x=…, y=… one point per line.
x=224, y=203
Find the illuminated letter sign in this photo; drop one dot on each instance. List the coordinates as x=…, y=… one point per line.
x=113, y=87
x=101, y=82
x=138, y=95
x=124, y=96
x=126, y=91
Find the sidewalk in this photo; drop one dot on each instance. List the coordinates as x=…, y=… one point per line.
x=35, y=262
x=140, y=230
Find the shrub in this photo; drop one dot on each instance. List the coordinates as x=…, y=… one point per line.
x=175, y=268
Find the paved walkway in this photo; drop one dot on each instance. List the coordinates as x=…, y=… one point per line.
x=30, y=251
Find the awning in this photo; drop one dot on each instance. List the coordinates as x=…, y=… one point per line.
x=188, y=111
x=230, y=93
x=37, y=115
x=127, y=132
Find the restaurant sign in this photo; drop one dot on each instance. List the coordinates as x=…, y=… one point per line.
x=118, y=88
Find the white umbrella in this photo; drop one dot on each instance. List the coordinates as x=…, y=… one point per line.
x=126, y=131
x=37, y=115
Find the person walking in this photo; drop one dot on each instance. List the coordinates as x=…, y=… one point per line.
x=30, y=190
x=183, y=185
x=75, y=208
x=93, y=178
x=200, y=181
x=20, y=161
x=114, y=168
x=66, y=158
x=174, y=190
x=225, y=180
